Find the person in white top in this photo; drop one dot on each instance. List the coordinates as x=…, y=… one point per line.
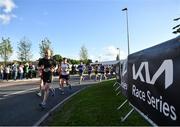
x=21, y=72
x=64, y=74
x=1, y=72
x=7, y=70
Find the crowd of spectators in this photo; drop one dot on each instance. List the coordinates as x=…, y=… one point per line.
x=18, y=71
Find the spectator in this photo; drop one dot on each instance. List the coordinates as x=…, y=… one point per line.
x=21, y=71
x=7, y=72
x=1, y=72
x=26, y=70
x=15, y=70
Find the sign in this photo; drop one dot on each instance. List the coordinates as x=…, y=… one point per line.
x=117, y=71
x=154, y=82
x=124, y=78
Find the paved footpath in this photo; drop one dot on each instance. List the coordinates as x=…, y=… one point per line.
x=22, y=109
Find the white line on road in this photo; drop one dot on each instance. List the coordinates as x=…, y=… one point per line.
x=20, y=92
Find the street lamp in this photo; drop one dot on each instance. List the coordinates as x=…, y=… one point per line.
x=118, y=54
x=125, y=9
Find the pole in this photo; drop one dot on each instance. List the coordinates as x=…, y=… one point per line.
x=125, y=9
x=118, y=54
x=127, y=31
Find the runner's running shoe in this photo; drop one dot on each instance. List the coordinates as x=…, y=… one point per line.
x=39, y=94
x=43, y=106
x=70, y=86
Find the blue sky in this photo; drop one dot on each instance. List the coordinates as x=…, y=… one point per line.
x=100, y=25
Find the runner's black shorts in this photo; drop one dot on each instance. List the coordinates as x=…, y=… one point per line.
x=47, y=77
x=102, y=72
x=66, y=77
x=89, y=72
x=80, y=73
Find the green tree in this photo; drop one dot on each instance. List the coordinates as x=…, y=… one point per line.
x=57, y=58
x=89, y=61
x=177, y=27
x=6, y=49
x=83, y=54
x=72, y=61
x=24, y=47
x=45, y=44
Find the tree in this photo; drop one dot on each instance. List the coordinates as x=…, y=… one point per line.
x=45, y=44
x=24, y=47
x=6, y=49
x=57, y=58
x=89, y=61
x=83, y=54
x=72, y=61
x=177, y=27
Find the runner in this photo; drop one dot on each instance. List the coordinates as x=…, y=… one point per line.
x=81, y=70
x=101, y=71
x=96, y=72
x=52, y=89
x=40, y=70
x=47, y=64
x=89, y=71
x=107, y=72
x=64, y=75
x=42, y=84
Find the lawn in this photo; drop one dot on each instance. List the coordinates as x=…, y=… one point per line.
x=95, y=106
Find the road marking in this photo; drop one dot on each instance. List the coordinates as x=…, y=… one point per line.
x=20, y=92
x=1, y=98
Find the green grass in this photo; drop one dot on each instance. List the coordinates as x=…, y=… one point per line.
x=95, y=106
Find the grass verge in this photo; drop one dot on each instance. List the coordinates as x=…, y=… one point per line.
x=95, y=106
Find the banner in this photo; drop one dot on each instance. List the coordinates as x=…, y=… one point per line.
x=154, y=82
x=124, y=78
x=117, y=71
x=121, y=76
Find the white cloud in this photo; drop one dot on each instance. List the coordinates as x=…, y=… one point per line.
x=110, y=53
x=123, y=55
x=6, y=18
x=106, y=54
x=7, y=6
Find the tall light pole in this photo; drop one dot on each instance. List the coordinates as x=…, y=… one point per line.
x=118, y=54
x=125, y=9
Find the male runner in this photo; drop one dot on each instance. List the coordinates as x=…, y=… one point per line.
x=47, y=64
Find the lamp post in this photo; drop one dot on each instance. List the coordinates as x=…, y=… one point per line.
x=126, y=10
x=118, y=54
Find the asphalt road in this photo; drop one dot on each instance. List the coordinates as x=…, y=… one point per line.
x=19, y=104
